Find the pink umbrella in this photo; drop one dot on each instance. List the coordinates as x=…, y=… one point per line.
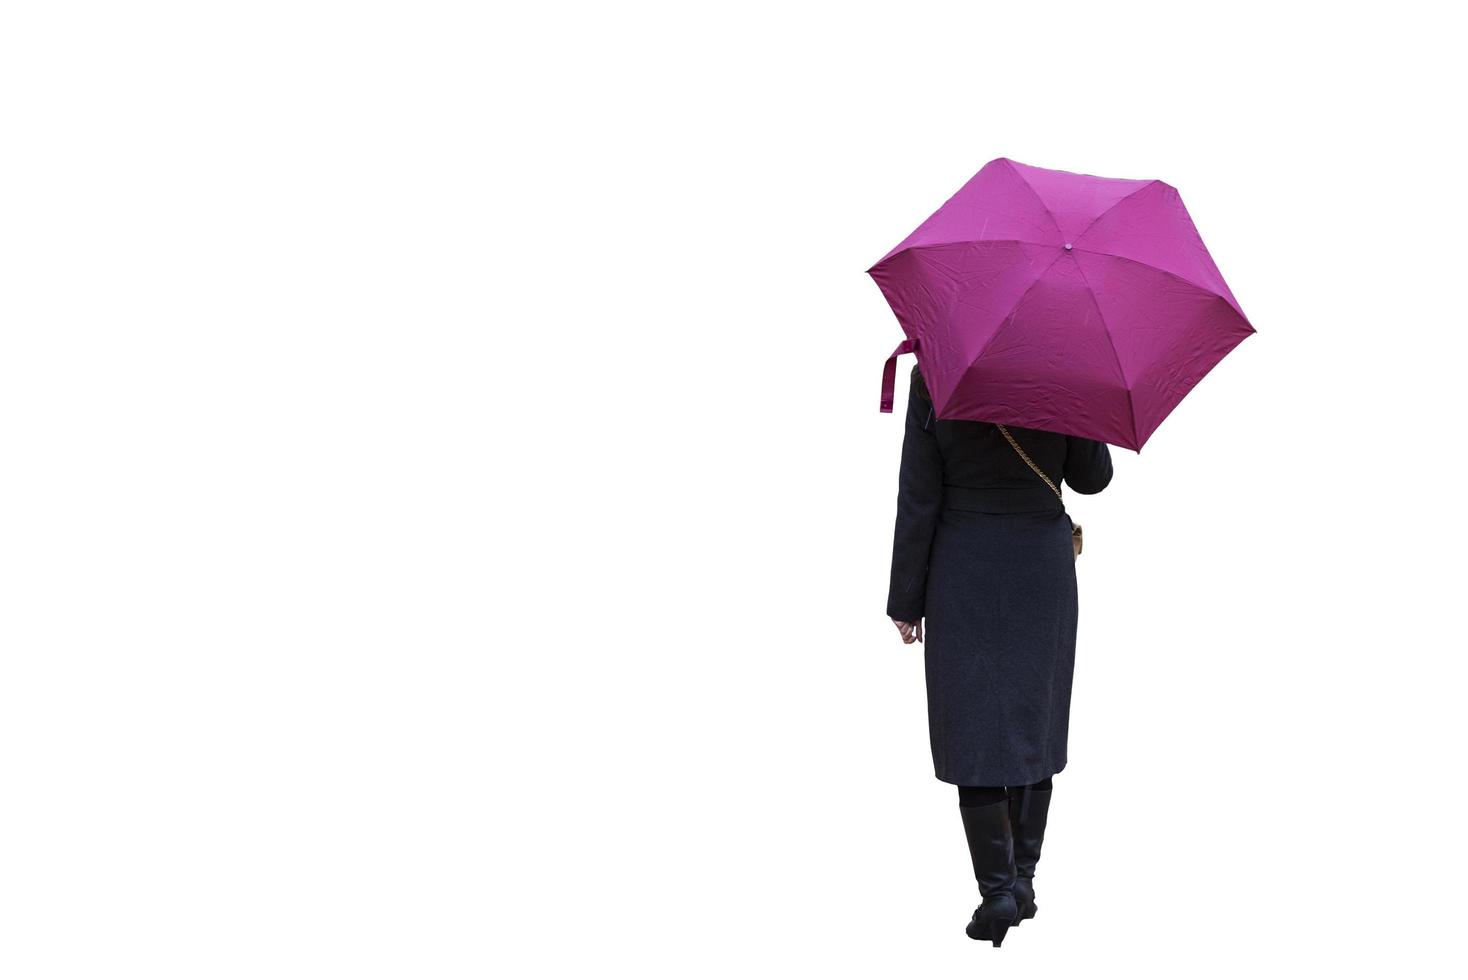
x=1059, y=301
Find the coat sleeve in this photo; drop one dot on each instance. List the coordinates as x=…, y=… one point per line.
x=1087, y=464
x=919, y=499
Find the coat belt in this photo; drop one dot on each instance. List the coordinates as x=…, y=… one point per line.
x=1001, y=500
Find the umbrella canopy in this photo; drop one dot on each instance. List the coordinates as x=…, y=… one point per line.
x=1060, y=301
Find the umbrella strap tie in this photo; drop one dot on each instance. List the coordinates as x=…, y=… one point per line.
x=889, y=372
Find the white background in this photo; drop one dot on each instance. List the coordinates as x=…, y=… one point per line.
x=445, y=516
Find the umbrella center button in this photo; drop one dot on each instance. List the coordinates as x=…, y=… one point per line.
x=1067, y=246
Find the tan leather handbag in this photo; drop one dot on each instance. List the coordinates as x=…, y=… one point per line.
x=1075, y=534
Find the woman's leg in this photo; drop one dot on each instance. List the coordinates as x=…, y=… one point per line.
x=980, y=795
x=985, y=811
x=1029, y=807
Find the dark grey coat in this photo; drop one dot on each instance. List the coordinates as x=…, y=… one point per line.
x=982, y=553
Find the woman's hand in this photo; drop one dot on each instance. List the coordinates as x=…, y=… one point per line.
x=911, y=632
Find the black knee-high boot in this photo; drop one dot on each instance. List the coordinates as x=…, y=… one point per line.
x=991, y=847
x=1027, y=819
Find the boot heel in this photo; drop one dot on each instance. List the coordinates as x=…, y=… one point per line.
x=997, y=931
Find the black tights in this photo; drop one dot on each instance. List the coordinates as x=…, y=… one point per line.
x=984, y=795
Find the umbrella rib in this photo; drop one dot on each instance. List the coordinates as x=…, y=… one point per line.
x=1125, y=384
x=969, y=241
x=1021, y=178
x=1173, y=275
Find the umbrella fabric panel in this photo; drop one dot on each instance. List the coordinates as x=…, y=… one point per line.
x=1167, y=333
x=956, y=297
x=1153, y=228
x=994, y=205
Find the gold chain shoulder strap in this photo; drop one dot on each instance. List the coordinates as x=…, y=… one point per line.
x=1024, y=456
